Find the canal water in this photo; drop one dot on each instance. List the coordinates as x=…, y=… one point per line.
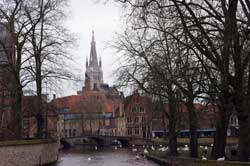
x=102, y=157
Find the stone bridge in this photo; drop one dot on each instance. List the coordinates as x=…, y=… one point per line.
x=105, y=140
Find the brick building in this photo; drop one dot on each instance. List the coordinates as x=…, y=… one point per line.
x=138, y=115
x=29, y=115
x=206, y=116
x=7, y=81
x=143, y=118
x=91, y=113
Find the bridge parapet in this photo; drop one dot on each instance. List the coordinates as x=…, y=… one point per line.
x=105, y=140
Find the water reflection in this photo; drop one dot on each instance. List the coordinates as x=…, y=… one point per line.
x=102, y=157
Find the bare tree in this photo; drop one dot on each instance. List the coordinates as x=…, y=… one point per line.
x=12, y=16
x=39, y=38
x=165, y=65
x=48, y=41
x=219, y=35
x=224, y=41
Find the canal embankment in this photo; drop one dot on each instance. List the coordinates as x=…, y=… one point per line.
x=180, y=161
x=28, y=152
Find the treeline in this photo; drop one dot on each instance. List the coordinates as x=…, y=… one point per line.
x=184, y=51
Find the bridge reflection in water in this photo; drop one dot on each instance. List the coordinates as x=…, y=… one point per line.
x=102, y=157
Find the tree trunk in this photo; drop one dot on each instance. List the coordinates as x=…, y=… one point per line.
x=2, y=105
x=16, y=126
x=39, y=114
x=244, y=138
x=220, y=137
x=193, y=123
x=172, y=138
x=172, y=129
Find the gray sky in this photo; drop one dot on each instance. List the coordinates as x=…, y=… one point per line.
x=85, y=16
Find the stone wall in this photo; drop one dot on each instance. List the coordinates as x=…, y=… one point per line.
x=28, y=153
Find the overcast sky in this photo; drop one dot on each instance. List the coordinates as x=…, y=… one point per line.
x=85, y=16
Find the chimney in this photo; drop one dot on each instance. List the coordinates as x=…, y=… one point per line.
x=54, y=96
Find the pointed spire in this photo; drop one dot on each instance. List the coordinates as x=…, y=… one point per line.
x=93, y=37
x=93, y=54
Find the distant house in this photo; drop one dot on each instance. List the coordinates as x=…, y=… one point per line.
x=138, y=115
x=206, y=116
x=29, y=115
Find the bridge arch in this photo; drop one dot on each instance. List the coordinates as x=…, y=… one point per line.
x=124, y=142
x=99, y=141
x=66, y=144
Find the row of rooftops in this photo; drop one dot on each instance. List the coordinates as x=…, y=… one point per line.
x=69, y=103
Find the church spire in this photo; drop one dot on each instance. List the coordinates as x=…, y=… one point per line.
x=93, y=54
x=93, y=74
x=93, y=37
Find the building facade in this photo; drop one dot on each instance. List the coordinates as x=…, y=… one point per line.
x=138, y=115
x=7, y=81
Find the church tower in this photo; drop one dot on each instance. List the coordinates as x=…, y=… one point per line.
x=93, y=74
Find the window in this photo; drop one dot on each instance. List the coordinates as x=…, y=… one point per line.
x=65, y=133
x=136, y=120
x=142, y=110
x=136, y=130
x=143, y=120
x=70, y=134
x=138, y=109
x=129, y=131
x=129, y=120
x=134, y=109
x=74, y=132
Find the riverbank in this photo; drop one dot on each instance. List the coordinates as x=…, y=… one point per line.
x=180, y=161
x=28, y=152
x=201, y=141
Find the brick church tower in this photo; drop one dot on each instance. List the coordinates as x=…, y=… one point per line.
x=94, y=73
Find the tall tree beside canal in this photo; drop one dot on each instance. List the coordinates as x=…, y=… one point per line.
x=34, y=27
x=149, y=67
x=223, y=29
x=159, y=62
x=218, y=32
x=47, y=52
x=12, y=17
